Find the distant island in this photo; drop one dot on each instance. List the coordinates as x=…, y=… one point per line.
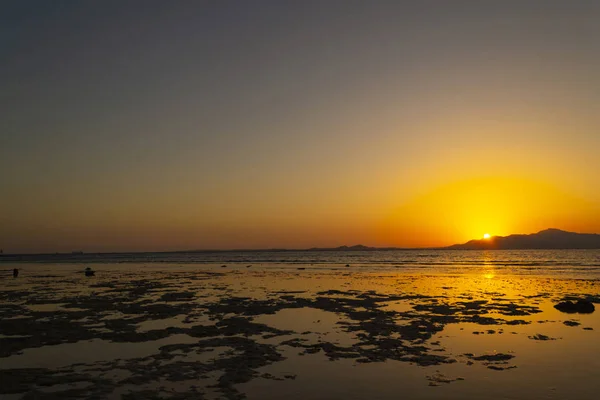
x=546, y=239
x=358, y=247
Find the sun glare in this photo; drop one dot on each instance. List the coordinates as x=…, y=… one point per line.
x=486, y=236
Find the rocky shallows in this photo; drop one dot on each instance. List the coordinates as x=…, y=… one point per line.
x=207, y=333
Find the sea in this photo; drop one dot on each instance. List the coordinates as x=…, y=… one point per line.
x=266, y=325
x=572, y=264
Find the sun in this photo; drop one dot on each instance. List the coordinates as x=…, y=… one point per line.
x=486, y=236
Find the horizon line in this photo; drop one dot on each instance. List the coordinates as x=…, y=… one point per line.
x=283, y=249
x=274, y=249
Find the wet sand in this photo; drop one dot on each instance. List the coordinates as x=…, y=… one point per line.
x=235, y=332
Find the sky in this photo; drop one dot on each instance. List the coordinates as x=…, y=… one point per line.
x=157, y=125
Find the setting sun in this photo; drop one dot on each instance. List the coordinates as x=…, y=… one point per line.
x=486, y=236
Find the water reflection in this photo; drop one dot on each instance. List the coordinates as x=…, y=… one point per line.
x=270, y=334
x=488, y=264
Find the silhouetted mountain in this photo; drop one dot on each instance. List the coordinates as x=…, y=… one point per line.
x=546, y=239
x=358, y=247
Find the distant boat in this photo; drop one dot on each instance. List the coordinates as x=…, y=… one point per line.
x=77, y=252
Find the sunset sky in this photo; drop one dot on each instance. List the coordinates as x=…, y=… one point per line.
x=173, y=125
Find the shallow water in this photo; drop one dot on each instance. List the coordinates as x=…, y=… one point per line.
x=263, y=333
x=567, y=263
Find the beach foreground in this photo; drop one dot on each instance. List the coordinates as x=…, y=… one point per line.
x=210, y=332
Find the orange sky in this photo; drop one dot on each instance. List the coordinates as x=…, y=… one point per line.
x=296, y=125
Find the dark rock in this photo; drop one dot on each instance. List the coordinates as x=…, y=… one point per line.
x=539, y=336
x=493, y=357
x=15, y=272
x=171, y=296
x=581, y=306
x=498, y=368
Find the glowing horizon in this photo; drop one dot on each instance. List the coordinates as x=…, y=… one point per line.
x=187, y=126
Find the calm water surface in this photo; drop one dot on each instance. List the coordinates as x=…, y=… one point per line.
x=565, y=263
x=433, y=324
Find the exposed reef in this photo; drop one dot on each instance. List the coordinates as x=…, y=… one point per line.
x=214, y=332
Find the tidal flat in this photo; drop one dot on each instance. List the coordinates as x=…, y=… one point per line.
x=232, y=332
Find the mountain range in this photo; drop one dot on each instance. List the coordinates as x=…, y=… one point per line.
x=546, y=239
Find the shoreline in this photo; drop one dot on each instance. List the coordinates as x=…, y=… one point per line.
x=243, y=333
x=531, y=270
